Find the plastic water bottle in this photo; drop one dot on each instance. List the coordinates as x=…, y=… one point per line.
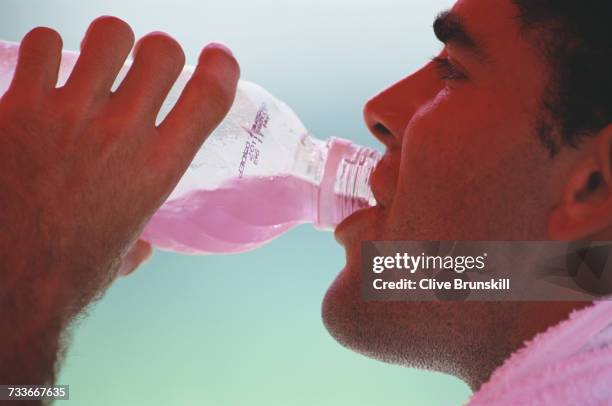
x=259, y=174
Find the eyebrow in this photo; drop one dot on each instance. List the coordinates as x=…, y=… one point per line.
x=450, y=29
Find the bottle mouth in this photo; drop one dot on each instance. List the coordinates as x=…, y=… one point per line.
x=345, y=187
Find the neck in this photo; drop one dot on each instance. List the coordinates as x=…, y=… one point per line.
x=533, y=318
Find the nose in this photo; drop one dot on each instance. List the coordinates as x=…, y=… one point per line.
x=388, y=114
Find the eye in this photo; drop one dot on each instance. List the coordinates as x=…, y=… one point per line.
x=446, y=70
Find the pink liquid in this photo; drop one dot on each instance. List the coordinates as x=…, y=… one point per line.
x=241, y=215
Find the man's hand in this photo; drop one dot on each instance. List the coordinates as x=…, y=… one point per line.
x=82, y=169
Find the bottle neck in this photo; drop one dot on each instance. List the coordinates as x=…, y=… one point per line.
x=345, y=183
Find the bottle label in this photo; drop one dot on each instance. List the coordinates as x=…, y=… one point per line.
x=251, y=150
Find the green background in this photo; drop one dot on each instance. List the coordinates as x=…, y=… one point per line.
x=246, y=329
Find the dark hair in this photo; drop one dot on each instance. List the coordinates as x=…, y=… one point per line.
x=576, y=39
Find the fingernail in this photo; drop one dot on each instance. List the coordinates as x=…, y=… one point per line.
x=218, y=45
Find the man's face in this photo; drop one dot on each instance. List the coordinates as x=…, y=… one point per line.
x=463, y=162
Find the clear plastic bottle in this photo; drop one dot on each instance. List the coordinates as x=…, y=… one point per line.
x=259, y=174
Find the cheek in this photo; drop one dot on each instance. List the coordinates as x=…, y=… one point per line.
x=464, y=165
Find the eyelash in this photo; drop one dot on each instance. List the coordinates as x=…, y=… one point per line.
x=446, y=70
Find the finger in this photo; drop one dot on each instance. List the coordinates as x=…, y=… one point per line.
x=104, y=49
x=204, y=102
x=138, y=254
x=39, y=59
x=158, y=61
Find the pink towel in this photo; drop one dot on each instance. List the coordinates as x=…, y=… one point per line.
x=569, y=364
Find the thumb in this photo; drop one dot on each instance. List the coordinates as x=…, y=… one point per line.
x=139, y=253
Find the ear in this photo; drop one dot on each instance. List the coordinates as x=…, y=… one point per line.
x=586, y=208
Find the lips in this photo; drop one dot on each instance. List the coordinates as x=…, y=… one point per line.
x=383, y=180
x=362, y=222
x=358, y=223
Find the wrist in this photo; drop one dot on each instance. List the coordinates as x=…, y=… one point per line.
x=30, y=344
x=49, y=276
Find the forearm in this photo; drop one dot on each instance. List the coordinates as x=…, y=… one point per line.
x=32, y=323
x=40, y=295
x=30, y=354
x=29, y=349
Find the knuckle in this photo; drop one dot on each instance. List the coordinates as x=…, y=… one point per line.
x=161, y=52
x=218, y=55
x=43, y=38
x=18, y=110
x=220, y=71
x=232, y=68
x=162, y=46
x=108, y=126
x=70, y=119
x=68, y=112
x=219, y=92
x=112, y=28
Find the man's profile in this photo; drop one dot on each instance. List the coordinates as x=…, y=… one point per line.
x=505, y=135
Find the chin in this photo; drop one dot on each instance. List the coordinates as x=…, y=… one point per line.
x=348, y=318
x=369, y=328
x=448, y=337
x=340, y=310
x=405, y=333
